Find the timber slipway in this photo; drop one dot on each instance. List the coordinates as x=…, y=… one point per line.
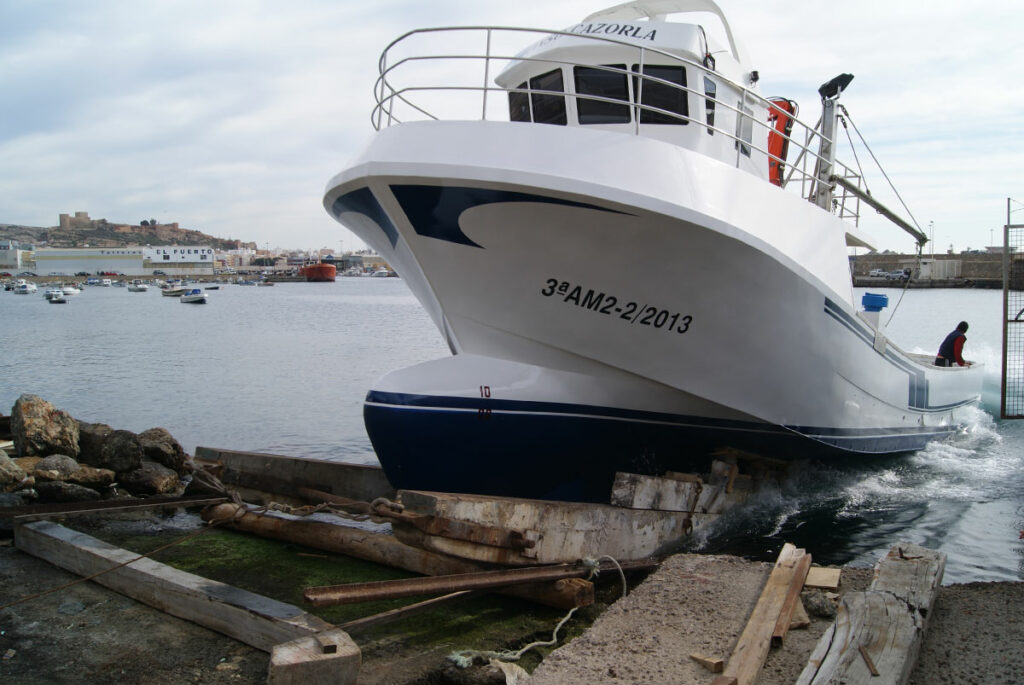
x=546, y=552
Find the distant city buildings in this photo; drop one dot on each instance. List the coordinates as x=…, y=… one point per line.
x=172, y=260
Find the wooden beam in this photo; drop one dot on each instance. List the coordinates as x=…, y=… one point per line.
x=880, y=631
x=712, y=664
x=388, y=551
x=751, y=650
x=250, y=618
x=327, y=658
x=796, y=584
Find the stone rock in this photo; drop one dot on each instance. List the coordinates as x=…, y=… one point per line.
x=160, y=446
x=11, y=475
x=92, y=477
x=817, y=604
x=40, y=429
x=120, y=452
x=55, y=467
x=90, y=440
x=62, y=491
x=150, y=478
x=13, y=499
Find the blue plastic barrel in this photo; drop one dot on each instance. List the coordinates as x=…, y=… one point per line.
x=874, y=302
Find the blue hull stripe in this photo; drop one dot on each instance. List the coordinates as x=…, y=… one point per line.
x=873, y=440
x=571, y=452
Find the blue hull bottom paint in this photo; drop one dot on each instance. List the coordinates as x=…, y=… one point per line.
x=570, y=452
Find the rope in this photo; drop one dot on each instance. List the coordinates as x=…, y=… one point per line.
x=464, y=658
x=906, y=284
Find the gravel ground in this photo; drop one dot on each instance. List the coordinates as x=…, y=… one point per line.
x=700, y=604
x=693, y=604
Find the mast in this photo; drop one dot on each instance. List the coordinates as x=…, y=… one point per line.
x=829, y=93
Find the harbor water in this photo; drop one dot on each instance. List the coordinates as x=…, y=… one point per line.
x=284, y=370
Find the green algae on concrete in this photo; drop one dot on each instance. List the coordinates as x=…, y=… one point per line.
x=282, y=571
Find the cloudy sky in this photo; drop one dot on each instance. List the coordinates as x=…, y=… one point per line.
x=229, y=116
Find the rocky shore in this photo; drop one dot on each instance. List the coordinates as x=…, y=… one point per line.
x=57, y=458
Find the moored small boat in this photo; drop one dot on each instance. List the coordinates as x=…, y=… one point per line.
x=193, y=296
x=23, y=287
x=137, y=286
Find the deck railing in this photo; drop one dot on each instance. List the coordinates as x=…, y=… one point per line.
x=456, y=83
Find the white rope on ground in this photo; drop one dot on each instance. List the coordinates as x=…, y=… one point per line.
x=464, y=658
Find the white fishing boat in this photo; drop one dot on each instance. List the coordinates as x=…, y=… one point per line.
x=634, y=257
x=194, y=296
x=23, y=287
x=70, y=290
x=138, y=286
x=54, y=294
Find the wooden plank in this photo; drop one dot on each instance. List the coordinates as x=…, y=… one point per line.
x=276, y=473
x=250, y=618
x=796, y=584
x=751, y=650
x=881, y=629
x=824, y=578
x=327, y=658
x=712, y=664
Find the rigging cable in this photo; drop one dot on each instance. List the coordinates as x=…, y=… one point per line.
x=879, y=165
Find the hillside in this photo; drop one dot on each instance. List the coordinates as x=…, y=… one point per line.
x=101, y=233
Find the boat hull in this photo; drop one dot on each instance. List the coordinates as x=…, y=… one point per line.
x=319, y=273
x=578, y=260
x=481, y=425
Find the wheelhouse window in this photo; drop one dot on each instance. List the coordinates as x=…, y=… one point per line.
x=670, y=96
x=602, y=82
x=545, y=107
x=744, y=128
x=710, y=90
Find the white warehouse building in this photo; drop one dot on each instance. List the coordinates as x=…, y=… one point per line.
x=172, y=260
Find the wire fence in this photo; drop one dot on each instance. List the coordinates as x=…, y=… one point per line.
x=1012, y=403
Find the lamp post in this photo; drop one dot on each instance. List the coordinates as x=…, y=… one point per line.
x=931, y=238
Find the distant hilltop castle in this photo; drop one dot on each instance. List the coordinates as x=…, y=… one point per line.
x=82, y=220
x=79, y=229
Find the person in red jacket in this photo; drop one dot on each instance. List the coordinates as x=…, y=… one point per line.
x=952, y=348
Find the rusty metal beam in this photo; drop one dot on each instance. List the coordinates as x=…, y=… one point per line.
x=33, y=512
x=332, y=595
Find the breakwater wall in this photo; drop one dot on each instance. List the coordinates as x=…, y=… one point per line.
x=977, y=270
